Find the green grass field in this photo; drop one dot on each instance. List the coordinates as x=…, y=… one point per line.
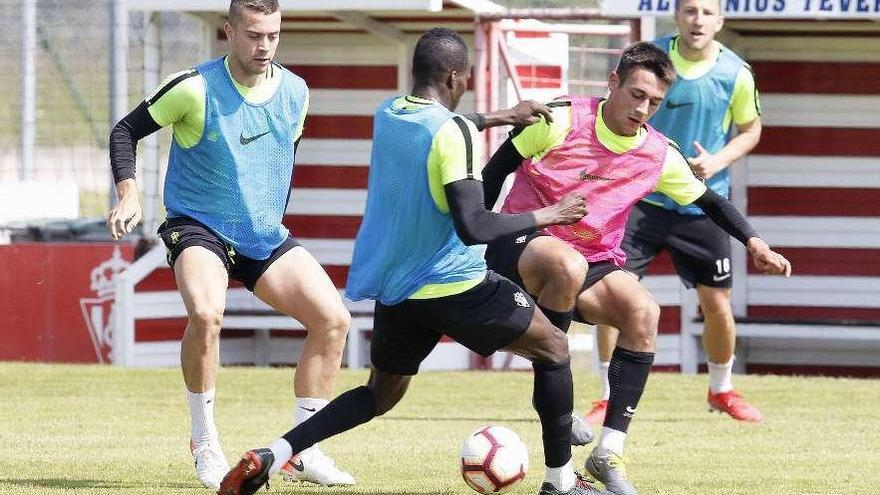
x=102, y=430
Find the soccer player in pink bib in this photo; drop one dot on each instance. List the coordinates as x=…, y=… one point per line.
x=603, y=150
x=714, y=92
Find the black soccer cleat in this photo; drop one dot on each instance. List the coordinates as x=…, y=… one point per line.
x=249, y=475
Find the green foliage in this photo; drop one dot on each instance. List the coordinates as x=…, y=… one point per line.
x=99, y=430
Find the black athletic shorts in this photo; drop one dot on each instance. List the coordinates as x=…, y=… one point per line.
x=700, y=249
x=484, y=318
x=503, y=255
x=596, y=272
x=182, y=232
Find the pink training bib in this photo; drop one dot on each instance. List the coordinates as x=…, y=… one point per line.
x=611, y=183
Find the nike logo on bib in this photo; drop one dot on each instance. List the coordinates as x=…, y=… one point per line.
x=672, y=106
x=248, y=140
x=587, y=176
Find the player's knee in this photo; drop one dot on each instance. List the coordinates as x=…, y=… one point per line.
x=332, y=328
x=339, y=324
x=386, y=403
x=716, y=307
x=645, y=317
x=387, y=393
x=206, y=320
x=567, y=274
x=555, y=348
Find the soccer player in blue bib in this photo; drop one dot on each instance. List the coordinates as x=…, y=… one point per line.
x=713, y=94
x=415, y=256
x=237, y=121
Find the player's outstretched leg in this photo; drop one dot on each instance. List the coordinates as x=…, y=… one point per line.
x=553, y=399
x=296, y=285
x=350, y=409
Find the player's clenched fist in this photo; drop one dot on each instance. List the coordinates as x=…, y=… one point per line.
x=768, y=261
x=568, y=210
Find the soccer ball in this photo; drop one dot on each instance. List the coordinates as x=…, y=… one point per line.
x=493, y=459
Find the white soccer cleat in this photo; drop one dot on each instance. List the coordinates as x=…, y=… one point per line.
x=210, y=463
x=314, y=466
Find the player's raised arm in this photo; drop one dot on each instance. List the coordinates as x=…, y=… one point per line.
x=524, y=113
x=507, y=157
x=547, y=129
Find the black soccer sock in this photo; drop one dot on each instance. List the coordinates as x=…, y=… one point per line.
x=559, y=319
x=553, y=398
x=355, y=407
x=627, y=376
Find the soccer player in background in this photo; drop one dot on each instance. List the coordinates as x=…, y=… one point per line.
x=414, y=255
x=602, y=150
x=714, y=92
x=237, y=121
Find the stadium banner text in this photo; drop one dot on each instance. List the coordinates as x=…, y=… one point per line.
x=755, y=9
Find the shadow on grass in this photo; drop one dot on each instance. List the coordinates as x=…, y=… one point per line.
x=484, y=419
x=72, y=483
x=119, y=485
x=354, y=491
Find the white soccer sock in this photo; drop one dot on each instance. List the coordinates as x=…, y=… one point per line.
x=611, y=440
x=306, y=407
x=603, y=376
x=282, y=452
x=201, y=412
x=720, y=375
x=562, y=478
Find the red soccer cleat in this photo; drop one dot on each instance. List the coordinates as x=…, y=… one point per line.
x=596, y=416
x=734, y=405
x=249, y=475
